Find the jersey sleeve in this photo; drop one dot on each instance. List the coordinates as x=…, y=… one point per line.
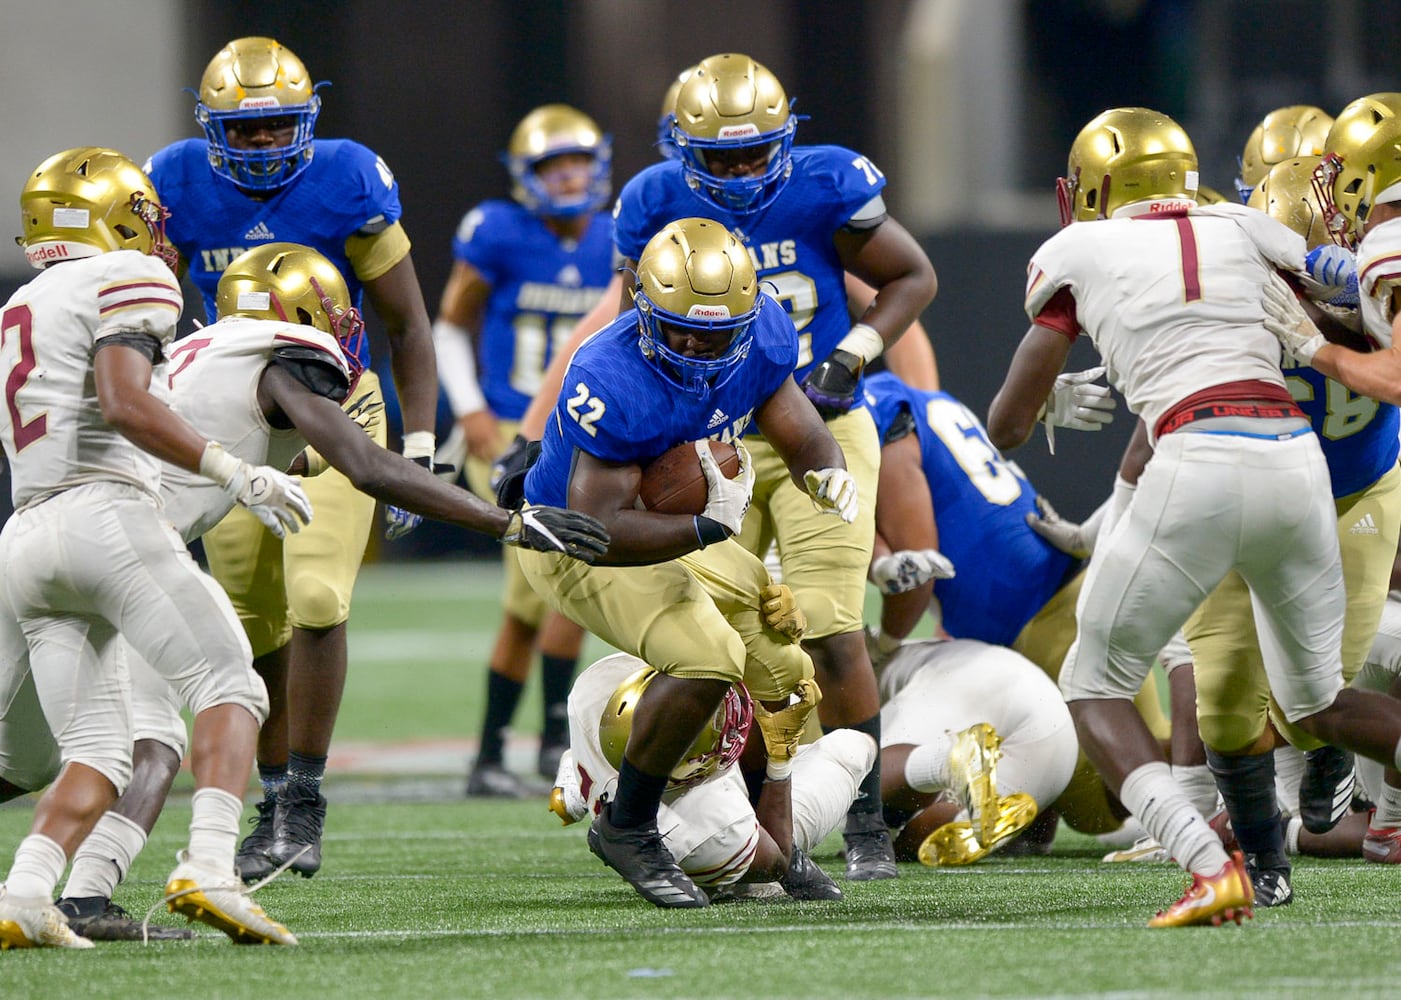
x=138, y=294
x=378, y=205
x=633, y=221
x=857, y=186
x=1379, y=277
x=477, y=242
x=1050, y=296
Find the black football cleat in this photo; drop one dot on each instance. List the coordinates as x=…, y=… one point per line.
x=640, y=857
x=805, y=880
x=252, y=859
x=1325, y=791
x=301, y=816
x=97, y=918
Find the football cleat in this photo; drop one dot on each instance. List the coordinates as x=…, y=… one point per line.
x=252, y=859
x=869, y=853
x=1212, y=899
x=301, y=816
x=97, y=918
x=1382, y=845
x=805, y=880
x=1145, y=850
x=640, y=857
x=973, y=768
x=1270, y=882
x=220, y=900
x=34, y=922
x=1326, y=788
x=493, y=781
x=956, y=844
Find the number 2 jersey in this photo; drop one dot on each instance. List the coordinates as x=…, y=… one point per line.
x=540, y=287
x=790, y=242
x=1005, y=572
x=54, y=434
x=616, y=405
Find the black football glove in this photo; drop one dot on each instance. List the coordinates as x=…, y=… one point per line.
x=831, y=386
x=508, y=471
x=554, y=529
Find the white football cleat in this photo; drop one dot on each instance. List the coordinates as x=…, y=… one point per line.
x=34, y=922
x=220, y=900
x=1144, y=850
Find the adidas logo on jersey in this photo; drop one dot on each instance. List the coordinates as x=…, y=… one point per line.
x=1364, y=526
x=570, y=276
x=716, y=419
x=259, y=232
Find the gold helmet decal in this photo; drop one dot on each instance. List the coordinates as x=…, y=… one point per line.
x=1123, y=157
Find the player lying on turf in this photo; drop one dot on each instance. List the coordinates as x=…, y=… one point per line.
x=707, y=820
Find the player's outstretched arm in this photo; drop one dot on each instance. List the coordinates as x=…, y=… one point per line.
x=904, y=524
x=911, y=357
x=1028, y=384
x=891, y=261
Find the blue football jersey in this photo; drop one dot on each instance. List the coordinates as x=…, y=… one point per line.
x=790, y=242
x=1005, y=571
x=540, y=287
x=1358, y=434
x=345, y=188
x=617, y=406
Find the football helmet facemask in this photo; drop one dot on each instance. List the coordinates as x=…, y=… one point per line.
x=696, y=276
x=718, y=745
x=1283, y=134
x=1362, y=161
x=257, y=79
x=1123, y=157
x=87, y=201
x=730, y=104
x=292, y=283
x=553, y=130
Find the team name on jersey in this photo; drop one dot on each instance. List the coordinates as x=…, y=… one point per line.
x=216, y=261
x=536, y=296
x=767, y=256
x=734, y=431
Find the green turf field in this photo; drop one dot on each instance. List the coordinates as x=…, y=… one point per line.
x=423, y=898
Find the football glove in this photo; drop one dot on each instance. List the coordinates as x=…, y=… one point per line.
x=509, y=470
x=451, y=455
x=273, y=497
x=781, y=611
x=1065, y=536
x=784, y=729
x=726, y=500
x=1291, y=326
x=831, y=386
x=1077, y=403
x=399, y=521
x=554, y=529
x=910, y=569
x=1333, y=270
x=833, y=491
x=366, y=412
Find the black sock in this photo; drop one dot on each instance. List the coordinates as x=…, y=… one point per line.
x=305, y=770
x=868, y=792
x=556, y=677
x=1247, y=785
x=272, y=777
x=502, y=696
x=638, y=799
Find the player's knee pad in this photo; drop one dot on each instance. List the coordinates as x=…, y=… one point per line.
x=1230, y=734
x=229, y=684
x=314, y=604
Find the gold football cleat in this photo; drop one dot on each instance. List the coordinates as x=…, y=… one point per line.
x=956, y=844
x=222, y=902
x=558, y=807
x=35, y=923
x=1212, y=899
x=973, y=767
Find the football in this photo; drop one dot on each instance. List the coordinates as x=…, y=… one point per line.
x=674, y=483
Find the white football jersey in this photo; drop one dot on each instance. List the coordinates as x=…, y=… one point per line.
x=1173, y=303
x=52, y=427
x=213, y=377
x=1379, y=278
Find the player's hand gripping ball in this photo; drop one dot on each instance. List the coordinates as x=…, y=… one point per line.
x=674, y=483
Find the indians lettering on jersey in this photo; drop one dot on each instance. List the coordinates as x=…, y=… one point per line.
x=790, y=242
x=1006, y=572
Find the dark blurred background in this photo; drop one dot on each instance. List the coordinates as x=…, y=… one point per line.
x=969, y=107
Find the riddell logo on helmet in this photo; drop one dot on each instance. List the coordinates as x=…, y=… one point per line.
x=738, y=131
x=255, y=103
x=698, y=311
x=1157, y=207
x=46, y=252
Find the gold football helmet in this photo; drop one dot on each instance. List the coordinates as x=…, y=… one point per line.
x=718, y=746
x=258, y=78
x=1286, y=193
x=1283, y=134
x=728, y=104
x=1363, y=159
x=86, y=201
x=1122, y=157
x=553, y=130
x=695, y=275
x=667, y=116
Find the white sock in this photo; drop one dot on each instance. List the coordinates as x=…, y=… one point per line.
x=927, y=767
x=1388, y=808
x=1164, y=810
x=39, y=864
x=1291, y=835
x=1200, y=787
x=105, y=857
x=214, y=828
x=1396, y=756
x=1289, y=774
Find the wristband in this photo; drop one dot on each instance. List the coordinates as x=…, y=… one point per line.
x=709, y=531
x=420, y=444
x=778, y=770
x=864, y=341
x=217, y=464
x=457, y=368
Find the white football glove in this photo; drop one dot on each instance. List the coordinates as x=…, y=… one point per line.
x=833, y=491
x=274, y=497
x=910, y=569
x=1077, y=403
x=726, y=500
x=1291, y=326
x=1065, y=536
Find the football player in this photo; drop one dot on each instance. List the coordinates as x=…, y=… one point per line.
x=706, y=819
x=87, y=555
x=259, y=176
x=1282, y=135
x=524, y=272
x=265, y=380
x=702, y=353
x=982, y=722
x=1236, y=480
